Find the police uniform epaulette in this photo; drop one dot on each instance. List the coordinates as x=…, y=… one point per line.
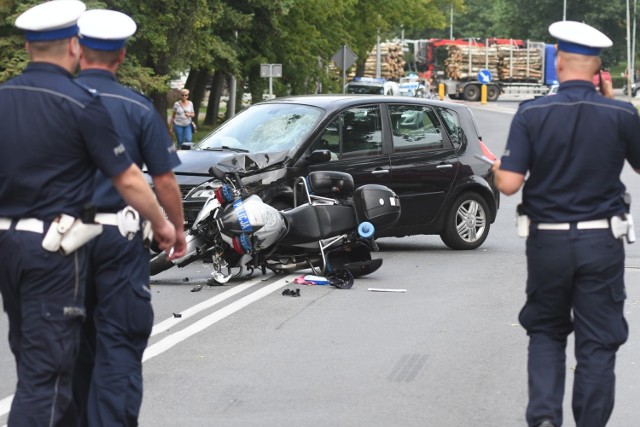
x=93, y=92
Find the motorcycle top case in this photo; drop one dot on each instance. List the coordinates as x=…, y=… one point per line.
x=330, y=183
x=377, y=204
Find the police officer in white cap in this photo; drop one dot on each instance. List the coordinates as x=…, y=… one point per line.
x=119, y=312
x=573, y=146
x=65, y=132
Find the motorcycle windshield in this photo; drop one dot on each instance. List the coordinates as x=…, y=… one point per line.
x=264, y=128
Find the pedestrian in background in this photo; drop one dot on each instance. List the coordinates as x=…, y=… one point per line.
x=108, y=376
x=573, y=146
x=182, y=117
x=45, y=219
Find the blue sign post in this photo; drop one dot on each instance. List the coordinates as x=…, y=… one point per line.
x=484, y=77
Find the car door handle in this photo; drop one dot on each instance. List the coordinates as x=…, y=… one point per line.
x=444, y=166
x=380, y=171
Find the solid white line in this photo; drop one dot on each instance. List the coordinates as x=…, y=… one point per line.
x=5, y=405
x=177, y=337
x=172, y=321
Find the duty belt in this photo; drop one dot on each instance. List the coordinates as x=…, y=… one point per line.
x=33, y=225
x=581, y=225
x=127, y=220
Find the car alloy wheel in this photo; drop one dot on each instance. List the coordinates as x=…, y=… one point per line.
x=467, y=224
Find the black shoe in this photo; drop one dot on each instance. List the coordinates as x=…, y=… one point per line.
x=545, y=423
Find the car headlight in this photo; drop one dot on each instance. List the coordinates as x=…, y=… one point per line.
x=201, y=193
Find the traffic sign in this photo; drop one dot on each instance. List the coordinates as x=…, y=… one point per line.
x=344, y=57
x=484, y=76
x=270, y=70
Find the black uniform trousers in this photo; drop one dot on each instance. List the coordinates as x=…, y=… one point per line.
x=108, y=377
x=43, y=296
x=575, y=283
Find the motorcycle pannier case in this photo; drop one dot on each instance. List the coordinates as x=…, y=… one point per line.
x=330, y=184
x=377, y=204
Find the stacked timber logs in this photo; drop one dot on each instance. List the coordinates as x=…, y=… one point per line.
x=459, y=57
x=392, y=62
x=519, y=64
x=506, y=63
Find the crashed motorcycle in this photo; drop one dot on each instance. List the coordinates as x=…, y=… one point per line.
x=332, y=229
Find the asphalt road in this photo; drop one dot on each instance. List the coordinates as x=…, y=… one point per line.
x=448, y=351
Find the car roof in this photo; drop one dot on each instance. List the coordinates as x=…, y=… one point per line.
x=340, y=101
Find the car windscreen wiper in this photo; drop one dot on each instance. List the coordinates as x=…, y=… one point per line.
x=226, y=147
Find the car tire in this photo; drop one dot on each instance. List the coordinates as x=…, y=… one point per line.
x=467, y=223
x=471, y=93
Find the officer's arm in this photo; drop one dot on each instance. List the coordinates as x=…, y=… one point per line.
x=506, y=181
x=135, y=190
x=168, y=193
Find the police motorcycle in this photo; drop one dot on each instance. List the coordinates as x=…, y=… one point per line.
x=331, y=230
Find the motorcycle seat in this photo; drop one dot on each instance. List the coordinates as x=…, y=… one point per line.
x=311, y=223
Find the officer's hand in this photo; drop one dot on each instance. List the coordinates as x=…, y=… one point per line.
x=180, y=246
x=496, y=166
x=165, y=235
x=607, y=89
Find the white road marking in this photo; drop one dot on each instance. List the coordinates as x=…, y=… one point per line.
x=172, y=321
x=177, y=337
x=5, y=405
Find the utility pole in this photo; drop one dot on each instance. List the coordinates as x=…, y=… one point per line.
x=451, y=22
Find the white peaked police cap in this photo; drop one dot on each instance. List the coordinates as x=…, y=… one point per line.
x=52, y=20
x=576, y=37
x=102, y=29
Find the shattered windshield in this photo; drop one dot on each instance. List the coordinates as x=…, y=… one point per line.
x=264, y=128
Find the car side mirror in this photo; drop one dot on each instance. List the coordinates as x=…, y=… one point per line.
x=186, y=146
x=319, y=156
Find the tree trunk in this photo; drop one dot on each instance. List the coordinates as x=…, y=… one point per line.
x=213, y=108
x=160, y=99
x=199, y=86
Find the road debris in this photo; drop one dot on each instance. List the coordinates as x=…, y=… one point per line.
x=291, y=292
x=386, y=290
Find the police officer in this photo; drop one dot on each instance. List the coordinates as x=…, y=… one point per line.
x=44, y=189
x=119, y=312
x=573, y=145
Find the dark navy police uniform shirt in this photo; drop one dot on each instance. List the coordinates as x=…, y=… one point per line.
x=574, y=145
x=54, y=133
x=136, y=120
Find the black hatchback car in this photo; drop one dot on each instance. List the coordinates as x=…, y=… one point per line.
x=426, y=151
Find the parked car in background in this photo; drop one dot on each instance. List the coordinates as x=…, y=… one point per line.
x=372, y=86
x=424, y=150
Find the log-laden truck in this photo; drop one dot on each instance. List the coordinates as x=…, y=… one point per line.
x=516, y=66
